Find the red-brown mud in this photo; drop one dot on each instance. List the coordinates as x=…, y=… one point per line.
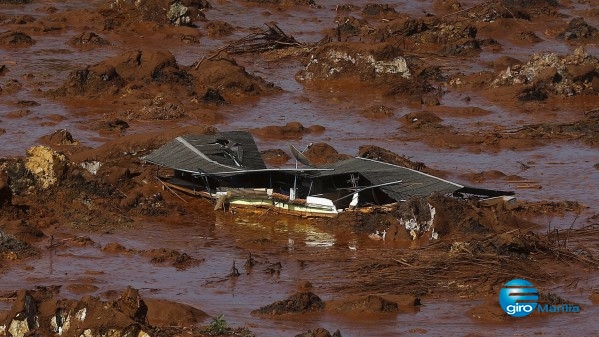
x=500, y=94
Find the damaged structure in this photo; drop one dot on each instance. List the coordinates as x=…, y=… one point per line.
x=228, y=169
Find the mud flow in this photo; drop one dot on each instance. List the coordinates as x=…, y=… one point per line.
x=500, y=95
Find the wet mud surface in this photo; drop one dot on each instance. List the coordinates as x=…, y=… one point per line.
x=499, y=94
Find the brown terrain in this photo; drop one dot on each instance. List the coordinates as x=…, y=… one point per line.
x=499, y=94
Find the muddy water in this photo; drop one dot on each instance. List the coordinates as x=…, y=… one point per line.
x=226, y=239
x=563, y=169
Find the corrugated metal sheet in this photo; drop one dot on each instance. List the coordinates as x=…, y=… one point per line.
x=413, y=183
x=209, y=153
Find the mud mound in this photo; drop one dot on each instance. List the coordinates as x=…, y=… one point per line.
x=422, y=120
x=15, y=39
x=219, y=28
x=88, y=39
x=322, y=153
x=291, y=130
x=378, y=153
x=370, y=304
x=547, y=75
x=167, y=313
x=301, y=302
x=229, y=79
x=275, y=157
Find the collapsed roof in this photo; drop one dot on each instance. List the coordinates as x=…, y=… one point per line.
x=235, y=153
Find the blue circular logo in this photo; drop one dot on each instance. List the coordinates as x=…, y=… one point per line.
x=518, y=298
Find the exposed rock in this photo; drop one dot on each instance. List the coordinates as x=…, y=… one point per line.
x=46, y=165
x=178, y=15
x=299, y=303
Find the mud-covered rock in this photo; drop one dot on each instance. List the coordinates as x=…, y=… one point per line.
x=301, y=302
x=15, y=39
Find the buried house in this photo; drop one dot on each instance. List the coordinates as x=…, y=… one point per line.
x=228, y=169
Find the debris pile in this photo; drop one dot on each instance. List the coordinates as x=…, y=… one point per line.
x=270, y=38
x=549, y=74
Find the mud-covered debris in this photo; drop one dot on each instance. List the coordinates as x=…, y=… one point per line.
x=343, y=60
x=270, y=38
x=319, y=332
x=88, y=39
x=301, y=302
x=291, y=130
x=378, y=153
x=15, y=39
x=545, y=75
x=578, y=29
